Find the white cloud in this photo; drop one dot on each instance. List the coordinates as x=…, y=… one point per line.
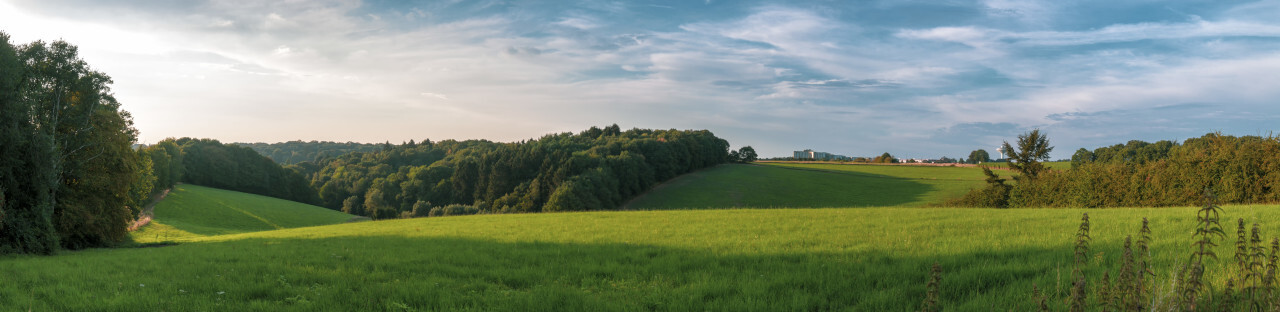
x=341, y=70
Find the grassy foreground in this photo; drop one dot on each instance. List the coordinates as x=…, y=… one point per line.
x=874, y=259
x=775, y=185
x=193, y=211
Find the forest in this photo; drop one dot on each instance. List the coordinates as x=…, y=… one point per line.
x=292, y=152
x=69, y=177
x=594, y=169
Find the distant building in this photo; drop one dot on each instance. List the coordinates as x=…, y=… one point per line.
x=814, y=155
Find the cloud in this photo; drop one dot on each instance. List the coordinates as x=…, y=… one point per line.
x=919, y=79
x=979, y=37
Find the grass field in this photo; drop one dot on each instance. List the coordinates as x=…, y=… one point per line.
x=872, y=259
x=811, y=185
x=192, y=211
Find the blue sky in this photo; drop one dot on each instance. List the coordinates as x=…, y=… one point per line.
x=913, y=78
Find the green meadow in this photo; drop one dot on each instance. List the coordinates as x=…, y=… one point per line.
x=778, y=185
x=872, y=259
x=192, y=211
x=240, y=252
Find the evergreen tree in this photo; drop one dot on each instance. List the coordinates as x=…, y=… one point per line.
x=1033, y=147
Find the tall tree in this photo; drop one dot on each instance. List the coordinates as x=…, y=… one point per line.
x=1033, y=147
x=1082, y=156
x=748, y=154
x=26, y=211
x=885, y=159
x=69, y=147
x=979, y=156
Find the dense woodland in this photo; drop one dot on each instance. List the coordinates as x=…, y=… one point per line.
x=595, y=169
x=292, y=152
x=66, y=160
x=210, y=163
x=1139, y=174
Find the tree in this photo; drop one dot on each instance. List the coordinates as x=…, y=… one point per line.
x=67, y=159
x=884, y=159
x=979, y=156
x=1082, y=156
x=1032, y=148
x=735, y=157
x=748, y=154
x=26, y=211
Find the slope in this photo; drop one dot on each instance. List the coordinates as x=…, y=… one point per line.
x=191, y=211
x=873, y=259
x=778, y=185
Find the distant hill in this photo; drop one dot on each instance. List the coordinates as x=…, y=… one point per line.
x=788, y=185
x=292, y=152
x=192, y=211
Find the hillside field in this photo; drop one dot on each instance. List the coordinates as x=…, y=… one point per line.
x=870, y=259
x=192, y=211
x=783, y=185
x=249, y=253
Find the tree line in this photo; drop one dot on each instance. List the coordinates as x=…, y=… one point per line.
x=293, y=152
x=69, y=177
x=599, y=168
x=210, y=163
x=1238, y=170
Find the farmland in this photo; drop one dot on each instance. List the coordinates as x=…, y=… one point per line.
x=192, y=211
x=725, y=260
x=778, y=185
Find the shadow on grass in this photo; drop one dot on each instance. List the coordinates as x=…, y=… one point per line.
x=400, y=273
x=754, y=186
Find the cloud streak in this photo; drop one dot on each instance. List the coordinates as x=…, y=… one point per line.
x=921, y=80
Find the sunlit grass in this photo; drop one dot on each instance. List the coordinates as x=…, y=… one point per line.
x=192, y=211
x=869, y=259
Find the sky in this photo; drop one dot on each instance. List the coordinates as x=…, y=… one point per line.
x=917, y=79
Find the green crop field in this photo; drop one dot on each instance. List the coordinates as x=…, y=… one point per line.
x=811, y=185
x=871, y=259
x=191, y=211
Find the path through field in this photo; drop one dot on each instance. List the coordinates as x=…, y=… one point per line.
x=148, y=212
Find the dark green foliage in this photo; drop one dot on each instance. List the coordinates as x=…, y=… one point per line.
x=931, y=303
x=595, y=169
x=748, y=154
x=26, y=213
x=66, y=160
x=144, y=183
x=994, y=195
x=295, y=152
x=884, y=159
x=1239, y=170
x=166, y=163
x=1133, y=152
x=978, y=156
x=1207, y=227
x=1079, y=284
x=1081, y=157
x=1033, y=147
x=210, y=163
